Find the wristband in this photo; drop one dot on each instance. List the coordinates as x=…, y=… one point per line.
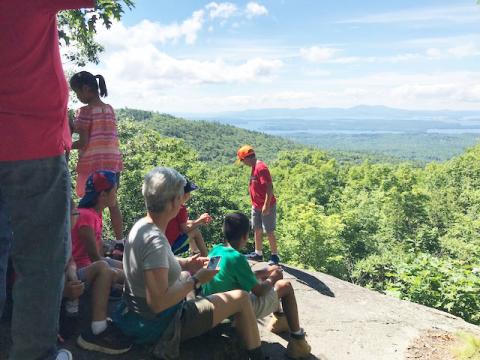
x=196, y=283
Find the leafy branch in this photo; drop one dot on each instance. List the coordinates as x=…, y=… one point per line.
x=77, y=28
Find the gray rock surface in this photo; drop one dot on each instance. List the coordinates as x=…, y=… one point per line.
x=343, y=322
x=346, y=322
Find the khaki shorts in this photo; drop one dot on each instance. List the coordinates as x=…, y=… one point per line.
x=266, y=304
x=197, y=317
x=267, y=222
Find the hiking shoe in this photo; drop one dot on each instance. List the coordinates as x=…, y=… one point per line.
x=274, y=260
x=254, y=256
x=110, y=341
x=64, y=354
x=298, y=347
x=68, y=326
x=278, y=324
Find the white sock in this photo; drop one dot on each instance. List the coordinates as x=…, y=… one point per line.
x=298, y=332
x=71, y=306
x=99, y=326
x=259, y=252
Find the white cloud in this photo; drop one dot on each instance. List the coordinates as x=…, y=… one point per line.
x=318, y=54
x=148, y=32
x=255, y=9
x=471, y=94
x=465, y=50
x=456, y=14
x=433, y=53
x=221, y=10
x=149, y=65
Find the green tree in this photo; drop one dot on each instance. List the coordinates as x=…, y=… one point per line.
x=78, y=28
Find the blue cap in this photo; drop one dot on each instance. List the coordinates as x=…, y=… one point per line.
x=96, y=183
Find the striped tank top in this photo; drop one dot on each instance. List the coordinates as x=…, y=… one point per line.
x=102, y=151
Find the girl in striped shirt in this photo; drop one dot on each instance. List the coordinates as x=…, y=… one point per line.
x=98, y=143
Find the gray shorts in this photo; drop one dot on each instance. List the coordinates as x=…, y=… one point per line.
x=266, y=304
x=268, y=223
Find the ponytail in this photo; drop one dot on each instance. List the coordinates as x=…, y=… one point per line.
x=88, y=79
x=102, y=85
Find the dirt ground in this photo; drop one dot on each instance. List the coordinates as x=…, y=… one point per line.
x=432, y=345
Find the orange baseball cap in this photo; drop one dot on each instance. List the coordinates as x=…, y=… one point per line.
x=245, y=151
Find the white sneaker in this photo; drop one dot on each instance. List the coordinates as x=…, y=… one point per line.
x=64, y=354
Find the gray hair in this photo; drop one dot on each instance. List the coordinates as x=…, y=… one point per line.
x=160, y=186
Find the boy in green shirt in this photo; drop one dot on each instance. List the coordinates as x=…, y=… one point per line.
x=235, y=273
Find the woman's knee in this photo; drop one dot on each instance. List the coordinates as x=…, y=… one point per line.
x=239, y=298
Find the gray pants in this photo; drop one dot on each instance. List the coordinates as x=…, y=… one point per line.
x=36, y=194
x=5, y=244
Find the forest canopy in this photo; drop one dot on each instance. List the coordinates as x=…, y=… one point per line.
x=408, y=231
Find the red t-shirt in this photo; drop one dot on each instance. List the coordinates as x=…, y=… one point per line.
x=33, y=89
x=173, y=227
x=92, y=219
x=259, y=178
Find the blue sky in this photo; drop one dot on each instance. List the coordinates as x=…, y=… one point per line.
x=203, y=56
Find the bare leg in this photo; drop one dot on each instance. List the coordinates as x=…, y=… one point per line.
x=193, y=247
x=237, y=302
x=117, y=221
x=258, y=235
x=273, y=242
x=198, y=243
x=101, y=277
x=289, y=303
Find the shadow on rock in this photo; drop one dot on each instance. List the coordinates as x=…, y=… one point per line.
x=277, y=351
x=309, y=280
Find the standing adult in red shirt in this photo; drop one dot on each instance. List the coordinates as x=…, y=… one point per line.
x=34, y=178
x=264, y=210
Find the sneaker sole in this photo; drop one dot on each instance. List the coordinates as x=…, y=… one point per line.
x=94, y=347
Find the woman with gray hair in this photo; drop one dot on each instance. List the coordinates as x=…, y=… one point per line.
x=153, y=308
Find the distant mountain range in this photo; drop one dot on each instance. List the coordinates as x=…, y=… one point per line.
x=362, y=112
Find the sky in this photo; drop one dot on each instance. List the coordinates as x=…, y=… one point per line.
x=203, y=57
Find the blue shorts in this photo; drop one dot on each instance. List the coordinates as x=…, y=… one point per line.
x=181, y=244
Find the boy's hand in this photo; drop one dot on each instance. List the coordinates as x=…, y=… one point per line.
x=265, y=210
x=205, y=275
x=73, y=289
x=205, y=218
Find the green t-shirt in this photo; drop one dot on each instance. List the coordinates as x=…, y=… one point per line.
x=235, y=272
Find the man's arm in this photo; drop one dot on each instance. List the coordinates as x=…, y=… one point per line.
x=262, y=288
x=268, y=199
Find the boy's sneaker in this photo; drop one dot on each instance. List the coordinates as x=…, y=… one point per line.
x=278, y=324
x=254, y=256
x=110, y=341
x=298, y=347
x=274, y=260
x=64, y=354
